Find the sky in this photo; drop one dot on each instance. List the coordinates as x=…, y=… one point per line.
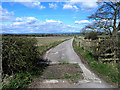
x=36, y=16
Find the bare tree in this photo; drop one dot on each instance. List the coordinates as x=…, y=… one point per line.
x=107, y=17
x=83, y=31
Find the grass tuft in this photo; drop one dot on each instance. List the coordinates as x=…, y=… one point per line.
x=63, y=63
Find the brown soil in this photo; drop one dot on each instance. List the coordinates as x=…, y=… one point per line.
x=44, y=41
x=58, y=71
x=68, y=73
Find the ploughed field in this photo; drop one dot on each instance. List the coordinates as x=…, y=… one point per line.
x=44, y=41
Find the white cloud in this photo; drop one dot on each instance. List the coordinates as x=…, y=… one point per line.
x=25, y=20
x=51, y=5
x=82, y=22
x=76, y=1
x=18, y=19
x=36, y=3
x=41, y=7
x=84, y=4
x=24, y=0
x=71, y=26
x=33, y=25
x=53, y=21
x=88, y=5
x=6, y=16
x=75, y=7
x=0, y=7
x=18, y=23
x=33, y=4
x=69, y=6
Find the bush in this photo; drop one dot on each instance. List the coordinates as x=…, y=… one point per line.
x=19, y=54
x=19, y=80
x=92, y=35
x=107, y=37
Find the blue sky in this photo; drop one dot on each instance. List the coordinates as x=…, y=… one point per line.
x=34, y=16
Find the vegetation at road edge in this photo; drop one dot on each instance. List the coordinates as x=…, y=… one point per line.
x=108, y=70
x=21, y=56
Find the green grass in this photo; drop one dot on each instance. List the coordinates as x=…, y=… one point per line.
x=107, y=70
x=76, y=66
x=22, y=79
x=63, y=63
x=72, y=76
x=51, y=77
x=65, y=76
x=19, y=80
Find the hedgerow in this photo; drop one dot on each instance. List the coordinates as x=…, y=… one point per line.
x=18, y=54
x=92, y=35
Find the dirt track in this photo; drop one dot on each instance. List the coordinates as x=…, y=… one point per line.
x=65, y=52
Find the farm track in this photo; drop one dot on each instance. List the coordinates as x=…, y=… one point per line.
x=65, y=52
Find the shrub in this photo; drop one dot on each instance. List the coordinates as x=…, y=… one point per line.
x=19, y=53
x=92, y=35
x=19, y=80
x=107, y=37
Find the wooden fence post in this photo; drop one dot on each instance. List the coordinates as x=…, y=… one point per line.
x=79, y=43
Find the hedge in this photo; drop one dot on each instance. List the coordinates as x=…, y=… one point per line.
x=18, y=54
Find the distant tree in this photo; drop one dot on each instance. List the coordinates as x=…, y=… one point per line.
x=83, y=31
x=107, y=17
x=91, y=35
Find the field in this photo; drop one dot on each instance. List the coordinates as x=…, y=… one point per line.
x=44, y=41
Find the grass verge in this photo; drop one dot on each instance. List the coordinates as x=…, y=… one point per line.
x=22, y=79
x=107, y=70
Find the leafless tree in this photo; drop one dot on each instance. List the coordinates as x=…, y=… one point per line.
x=107, y=17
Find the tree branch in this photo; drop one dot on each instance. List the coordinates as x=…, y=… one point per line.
x=110, y=5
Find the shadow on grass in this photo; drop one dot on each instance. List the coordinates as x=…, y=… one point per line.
x=23, y=78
